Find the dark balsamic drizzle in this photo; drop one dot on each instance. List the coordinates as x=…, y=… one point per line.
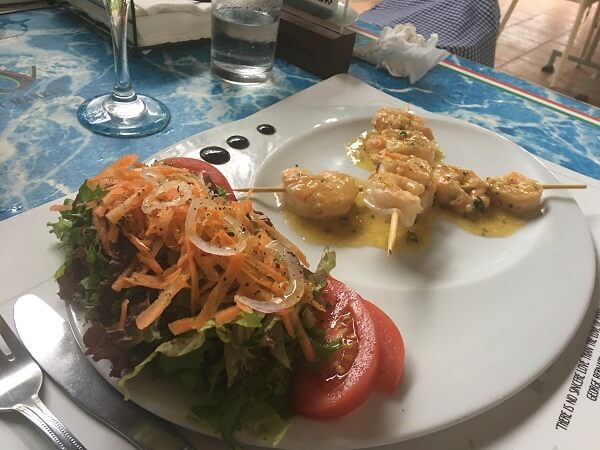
x=265, y=128
x=238, y=142
x=215, y=155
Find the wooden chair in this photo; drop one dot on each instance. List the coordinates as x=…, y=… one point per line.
x=507, y=14
x=588, y=50
x=583, y=5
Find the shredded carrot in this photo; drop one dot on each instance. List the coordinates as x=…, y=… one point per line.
x=120, y=282
x=102, y=230
x=315, y=304
x=207, y=264
x=61, y=208
x=194, y=294
x=243, y=307
x=227, y=315
x=303, y=338
x=248, y=272
x=216, y=296
x=145, y=256
x=150, y=281
x=100, y=211
x=123, y=317
x=133, y=201
x=153, y=312
x=214, y=299
x=277, y=235
x=121, y=163
x=113, y=233
x=265, y=269
x=287, y=323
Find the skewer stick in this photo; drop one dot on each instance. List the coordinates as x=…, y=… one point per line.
x=393, y=232
x=261, y=189
x=564, y=186
x=282, y=189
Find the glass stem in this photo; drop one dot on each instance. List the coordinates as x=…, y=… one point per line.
x=117, y=13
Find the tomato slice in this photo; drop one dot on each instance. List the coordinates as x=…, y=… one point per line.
x=210, y=173
x=391, y=367
x=344, y=382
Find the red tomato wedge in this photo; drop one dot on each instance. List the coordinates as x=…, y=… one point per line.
x=391, y=367
x=340, y=384
x=208, y=171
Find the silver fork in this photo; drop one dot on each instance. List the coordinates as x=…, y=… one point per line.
x=20, y=382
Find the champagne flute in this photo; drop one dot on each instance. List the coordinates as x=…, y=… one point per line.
x=122, y=112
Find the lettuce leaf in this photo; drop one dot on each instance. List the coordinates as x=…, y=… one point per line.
x=173, y=348
x=317, y=280
x=239, y=373
x=231, y=370
x=265, y=423
x=86, y=266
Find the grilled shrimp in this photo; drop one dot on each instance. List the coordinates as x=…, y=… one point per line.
x=399, y=119
x=515, y=193
x=318, y=196
x=427, y=197
x=409, y=166
x=404, y=142
x=385, y=193
x=460, y=189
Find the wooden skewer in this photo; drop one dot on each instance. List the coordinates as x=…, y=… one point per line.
x=261, y=189
x=282, y=189
x=564, y=186
x=393, y=232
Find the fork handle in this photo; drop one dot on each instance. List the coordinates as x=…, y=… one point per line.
x=53, y=428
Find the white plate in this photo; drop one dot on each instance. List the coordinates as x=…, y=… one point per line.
x=481, y=317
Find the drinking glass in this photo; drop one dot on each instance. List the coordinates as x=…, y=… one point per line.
x=244, y=33
x=122, y=112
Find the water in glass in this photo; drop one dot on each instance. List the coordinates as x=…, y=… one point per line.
x=243, y=44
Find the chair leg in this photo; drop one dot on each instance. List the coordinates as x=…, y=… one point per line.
x=567, y=51
x=595, y=24
x=507, y=15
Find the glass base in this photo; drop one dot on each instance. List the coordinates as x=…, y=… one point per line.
x=140, y=117
x=241, y=74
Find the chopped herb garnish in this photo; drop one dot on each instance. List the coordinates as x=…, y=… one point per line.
x=413, y=237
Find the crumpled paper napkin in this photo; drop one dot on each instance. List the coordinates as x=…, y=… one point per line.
x=403, y=52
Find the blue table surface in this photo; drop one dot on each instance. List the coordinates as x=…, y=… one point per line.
x=45, y=153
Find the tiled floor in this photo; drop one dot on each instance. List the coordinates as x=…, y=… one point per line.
x=535, y=28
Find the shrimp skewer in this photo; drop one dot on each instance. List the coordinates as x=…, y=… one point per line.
x=403, y=146
x=318, y=196
x=515, y=193
x=398, y=119
x=386, y=193
x=403, y=142
x=398, y=195
x=460, y=189
x=407, y=180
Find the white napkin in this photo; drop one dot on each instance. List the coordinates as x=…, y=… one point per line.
x=403, y=52
x=158, y=21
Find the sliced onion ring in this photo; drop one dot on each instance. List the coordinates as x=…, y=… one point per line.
x=152, y=175
x=281, y=238
x=208, y=247
x=292, y=294
x=151, y=201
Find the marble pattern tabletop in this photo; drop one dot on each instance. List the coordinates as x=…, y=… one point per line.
x=51, y=62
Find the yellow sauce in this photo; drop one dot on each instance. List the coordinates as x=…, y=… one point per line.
x=494, y=222
x=357, y=153
x=363, y=228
